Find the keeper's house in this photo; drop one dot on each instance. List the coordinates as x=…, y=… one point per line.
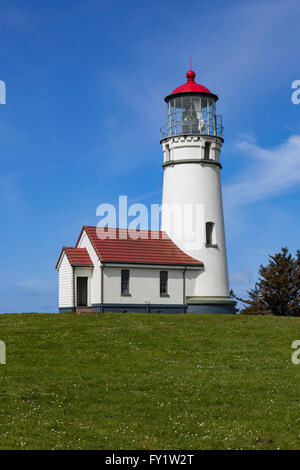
x=113, y=270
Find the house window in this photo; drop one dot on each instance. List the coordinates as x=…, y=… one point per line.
x=163, y=283
x=207, y=151
x=125, y=282
x=210, y=233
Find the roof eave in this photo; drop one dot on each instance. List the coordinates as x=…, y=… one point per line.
x=60, y=257
x=82, y=265
x=192, y=265
x=184, y=93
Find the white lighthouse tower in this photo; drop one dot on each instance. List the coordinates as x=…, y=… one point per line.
x=192, y=210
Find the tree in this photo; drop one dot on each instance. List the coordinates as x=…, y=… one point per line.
x=254, y=304
x=295, y=304
x=277, y=291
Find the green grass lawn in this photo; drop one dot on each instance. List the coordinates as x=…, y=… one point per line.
x=138, y=381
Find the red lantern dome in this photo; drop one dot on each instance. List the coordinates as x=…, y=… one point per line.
x=191, y=87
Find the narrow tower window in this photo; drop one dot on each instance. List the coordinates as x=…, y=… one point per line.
x=167, y=153
x=207, y=151
x=163, y=283
x=210, y=233
x=125, y=282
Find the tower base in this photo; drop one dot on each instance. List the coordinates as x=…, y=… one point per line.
x=219, y=305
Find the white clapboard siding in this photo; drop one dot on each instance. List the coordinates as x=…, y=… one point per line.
x=65, y=296
x=144, y=283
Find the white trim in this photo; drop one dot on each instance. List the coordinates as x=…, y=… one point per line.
x=60, y=260
x=154, y=266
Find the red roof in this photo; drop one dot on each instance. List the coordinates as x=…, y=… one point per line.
x=123, y=246
x=76, y=256
x=191, y=85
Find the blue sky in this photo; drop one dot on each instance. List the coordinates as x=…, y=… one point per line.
x=85, y=87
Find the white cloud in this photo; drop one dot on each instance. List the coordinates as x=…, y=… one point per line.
x=272, y=171
x=241, y=277
x=36, y=284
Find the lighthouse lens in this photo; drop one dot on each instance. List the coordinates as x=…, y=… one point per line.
x=190, y=122
x=193, y=114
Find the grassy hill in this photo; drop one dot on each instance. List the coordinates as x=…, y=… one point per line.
x=137, y=381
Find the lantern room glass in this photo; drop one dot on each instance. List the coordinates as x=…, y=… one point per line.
x=192, y=114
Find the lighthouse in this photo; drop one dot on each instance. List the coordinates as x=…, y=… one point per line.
x=192, y=208
x=181, y=268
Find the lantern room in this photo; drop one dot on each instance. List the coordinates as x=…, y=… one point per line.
x=191, y=110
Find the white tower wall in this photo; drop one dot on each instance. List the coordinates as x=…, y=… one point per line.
x=192, y=186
